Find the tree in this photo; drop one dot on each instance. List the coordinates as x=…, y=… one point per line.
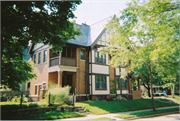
x=148, y=36
x=41, y=22
x=143, y=73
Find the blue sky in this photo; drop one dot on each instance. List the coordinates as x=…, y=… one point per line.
x=92, y=11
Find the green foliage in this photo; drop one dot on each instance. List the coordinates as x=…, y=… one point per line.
x=148, y=37
x=42, y=116
x=18, y=99
x=132, y=115
x=112, y=87
x=23, y=21
x=58, y=95
x=100, y=107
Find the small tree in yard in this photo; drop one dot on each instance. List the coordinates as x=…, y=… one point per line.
x=148, y=36
x=58, y=95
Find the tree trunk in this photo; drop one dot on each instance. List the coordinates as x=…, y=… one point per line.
x=150, y=77
x=173, y=89
x=149, y=94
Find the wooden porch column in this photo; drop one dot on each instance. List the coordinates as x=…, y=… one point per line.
x=59, y=58
x=60, y=73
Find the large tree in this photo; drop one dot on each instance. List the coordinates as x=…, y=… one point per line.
x=148, y=36
x=41, y=22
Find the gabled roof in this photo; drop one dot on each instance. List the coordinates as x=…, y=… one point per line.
x=89, y=34
x=97, y=28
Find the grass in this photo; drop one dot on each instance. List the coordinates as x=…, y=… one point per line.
x=176, y=97
x=103, y=118
x=38, y=116
x=43, y=116
x=97, y=107
x=132, y=115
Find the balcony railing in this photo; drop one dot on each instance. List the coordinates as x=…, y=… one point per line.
x=68, y=61
x=64, y=61
x=54, y=61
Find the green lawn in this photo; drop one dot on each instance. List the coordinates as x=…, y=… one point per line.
x=99, y=107
x=125, y=116
x=42, y=116
x=38, y=116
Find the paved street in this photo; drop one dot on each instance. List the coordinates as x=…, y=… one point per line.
x=111, y=115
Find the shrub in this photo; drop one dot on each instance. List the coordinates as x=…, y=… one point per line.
x=18, y=99
x=58, y=95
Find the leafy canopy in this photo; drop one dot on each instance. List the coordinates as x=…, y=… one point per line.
x=25, y=20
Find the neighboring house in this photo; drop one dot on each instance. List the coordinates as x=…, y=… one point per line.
x=79, y=65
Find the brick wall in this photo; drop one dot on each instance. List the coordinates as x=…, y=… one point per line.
x=53, y=77
x=41, y=71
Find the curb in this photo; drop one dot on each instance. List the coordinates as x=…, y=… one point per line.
x=152, y=115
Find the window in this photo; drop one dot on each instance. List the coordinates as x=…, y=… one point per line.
x=69, y=52
x=36, y=89
x=104, y=59
x=39, y=60
x=35, y=59
x=118, y=82
x=45, y=55
x=96, y=56
x=100, y=82
x=124, y=84
x=82, y=54
x=101, y=59
x=40, y=87
x=44, y=85
x=29, y=84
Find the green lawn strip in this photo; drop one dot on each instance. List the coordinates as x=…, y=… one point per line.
x=132, y=115
x=103, y=118
x=43, y=116
x=100, y=107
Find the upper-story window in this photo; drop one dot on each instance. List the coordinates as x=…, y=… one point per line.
x=36, y=89
x=118, y=82
x=45, y=56
x=35, y=59
x=82, y=54
x=39, y=59
x=69, y=52
x=100, y=82
x=101, y=59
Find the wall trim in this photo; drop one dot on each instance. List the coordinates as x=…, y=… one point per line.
x=68, y=68
x=99, y=74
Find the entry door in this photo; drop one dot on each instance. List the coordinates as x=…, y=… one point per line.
x=67, y=79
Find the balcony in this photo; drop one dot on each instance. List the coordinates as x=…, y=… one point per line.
x=64, y=61
x=54, y=61
x=68, y=61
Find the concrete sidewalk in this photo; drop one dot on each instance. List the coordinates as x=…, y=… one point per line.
x=111, y=115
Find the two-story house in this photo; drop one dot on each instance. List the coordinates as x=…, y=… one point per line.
x=79, y=65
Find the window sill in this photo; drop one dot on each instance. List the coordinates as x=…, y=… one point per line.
x=101, y=89
x=82, y=60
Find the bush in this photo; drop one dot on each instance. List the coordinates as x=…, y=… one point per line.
x=58, y=95
x=18, y=99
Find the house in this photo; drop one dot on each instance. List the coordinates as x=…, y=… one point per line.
x=79, y=65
